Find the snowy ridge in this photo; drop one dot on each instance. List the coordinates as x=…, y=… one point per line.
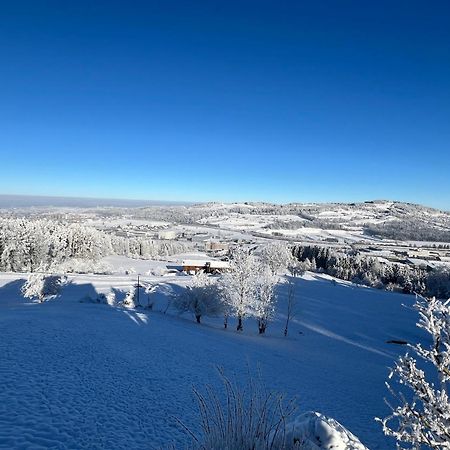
x=337, y=221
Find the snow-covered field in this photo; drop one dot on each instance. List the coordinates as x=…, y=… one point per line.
x=76, y=374
x=317, y=222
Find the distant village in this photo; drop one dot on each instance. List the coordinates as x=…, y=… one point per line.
x=216, y=245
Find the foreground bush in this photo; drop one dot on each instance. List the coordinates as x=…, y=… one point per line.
x=41, y=287
x=251, y=418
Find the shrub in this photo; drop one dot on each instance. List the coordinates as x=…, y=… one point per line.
x=40, y=286
x=249, y=418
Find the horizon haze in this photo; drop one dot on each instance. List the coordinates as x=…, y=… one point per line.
x=36, y=201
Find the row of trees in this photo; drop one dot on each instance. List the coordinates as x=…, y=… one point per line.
x=248, y=289
x=411, y=229
x=28, y=245
x=370, y=272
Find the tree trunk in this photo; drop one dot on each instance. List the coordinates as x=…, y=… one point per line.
x=197, y=318
x=239, y=325
x=225, y=322
x=261, y=327
x=287, y=326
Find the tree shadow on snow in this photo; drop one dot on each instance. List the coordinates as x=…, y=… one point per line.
x=11, y=293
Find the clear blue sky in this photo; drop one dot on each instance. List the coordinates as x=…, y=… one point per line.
x=226, y=100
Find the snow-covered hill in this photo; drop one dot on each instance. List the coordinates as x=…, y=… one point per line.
x=377, y=218
x=348, y=223
x=82, y=375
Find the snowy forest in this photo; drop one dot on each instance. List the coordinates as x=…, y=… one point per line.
x=369, y=271
x=29, y=245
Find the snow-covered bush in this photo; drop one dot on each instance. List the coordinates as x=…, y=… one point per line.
x=111, y=298
x=40, y=286
x=422, y=416
x=202, y=297
x=130, y=298
x=77, y=265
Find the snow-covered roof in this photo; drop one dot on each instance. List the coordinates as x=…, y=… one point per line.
x=203, y=262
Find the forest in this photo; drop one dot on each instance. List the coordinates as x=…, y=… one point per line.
x=368, y=271
x=29, y=245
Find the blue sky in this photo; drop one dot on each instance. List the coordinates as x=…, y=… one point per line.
x=226, y=100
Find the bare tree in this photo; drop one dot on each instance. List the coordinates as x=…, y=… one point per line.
x=295, y=270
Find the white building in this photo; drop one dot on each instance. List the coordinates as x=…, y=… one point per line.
x=167, y=235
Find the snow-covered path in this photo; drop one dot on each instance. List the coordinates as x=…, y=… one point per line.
x=81, y=375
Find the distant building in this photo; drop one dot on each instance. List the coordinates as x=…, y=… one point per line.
x=422, y=254
x=209, y=266
x=214, y=246
x=167, y=235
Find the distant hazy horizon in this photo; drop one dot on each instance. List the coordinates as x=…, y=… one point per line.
x=29, y=201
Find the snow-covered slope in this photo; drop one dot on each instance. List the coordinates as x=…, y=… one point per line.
x=352, y=221
x=81, y=375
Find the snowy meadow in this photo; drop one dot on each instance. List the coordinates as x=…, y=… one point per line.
x=120, y=332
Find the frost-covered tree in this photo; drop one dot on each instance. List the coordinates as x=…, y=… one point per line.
x=422, y=416
x=202, y=297
x=276, y=255
x=29, y=245
x=263, y=305
x=438, y=282
x=39, y=286
x=239, y=283
x=130, y=298
x=353, y=266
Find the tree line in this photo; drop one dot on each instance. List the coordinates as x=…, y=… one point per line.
x=30, y=245
x=366, y=270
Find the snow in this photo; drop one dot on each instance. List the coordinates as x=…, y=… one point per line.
x=315, y=432
x=121, y=264
x=214, y=264
x=85, y=375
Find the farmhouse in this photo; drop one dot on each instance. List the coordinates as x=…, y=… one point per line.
x=209, y=266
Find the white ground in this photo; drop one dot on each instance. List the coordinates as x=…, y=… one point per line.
x=81, y=375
